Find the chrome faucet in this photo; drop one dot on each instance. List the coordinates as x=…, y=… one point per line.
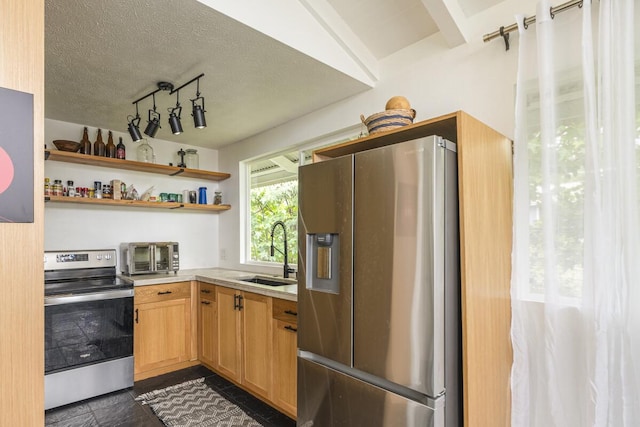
x=287, y=269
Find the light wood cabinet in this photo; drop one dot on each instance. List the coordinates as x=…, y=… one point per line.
x=285, y=366
x=485, y=190
x=229, y=348
x=257, y=350
x=207, y=312
x=162, y=329
x=243, y=339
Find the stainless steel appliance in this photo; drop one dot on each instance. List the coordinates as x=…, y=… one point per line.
x=149, y=257
x=88, y=326
x=379, y=330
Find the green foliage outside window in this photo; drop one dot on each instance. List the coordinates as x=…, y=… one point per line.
x=271, y=203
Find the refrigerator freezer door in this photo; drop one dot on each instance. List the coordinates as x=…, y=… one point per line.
x=330, y=398
x=325, y=259
x=399, y=264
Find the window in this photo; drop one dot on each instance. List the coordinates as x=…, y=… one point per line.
x=271, y=194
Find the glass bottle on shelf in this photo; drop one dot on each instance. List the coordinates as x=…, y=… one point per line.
x=110, y=149
x=121, y=150
x=85, y=144
x=47, y=187
x=145, y=152
x=98, y=146
x=191, y=158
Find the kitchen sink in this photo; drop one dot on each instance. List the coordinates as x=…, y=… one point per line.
x=269, y=281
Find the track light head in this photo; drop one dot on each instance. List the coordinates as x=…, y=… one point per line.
x=154, y=124
x=134, y=128
x=199, y=120
x=174, y=120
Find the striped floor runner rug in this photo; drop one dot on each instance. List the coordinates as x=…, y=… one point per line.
x=192, y=404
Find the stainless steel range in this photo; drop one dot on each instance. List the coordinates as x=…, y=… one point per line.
x=88, y=326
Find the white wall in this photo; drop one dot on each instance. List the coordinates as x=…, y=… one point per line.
x=477, y=78
x=74, y=226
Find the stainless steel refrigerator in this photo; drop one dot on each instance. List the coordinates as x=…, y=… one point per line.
x=379, y=331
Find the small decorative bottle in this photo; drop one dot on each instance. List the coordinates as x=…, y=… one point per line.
x=85, y=144
x=110, y=149
x=47, y=187
x=98, y=146
x=121, y=150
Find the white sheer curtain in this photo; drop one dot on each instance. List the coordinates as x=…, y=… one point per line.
x=576, y=277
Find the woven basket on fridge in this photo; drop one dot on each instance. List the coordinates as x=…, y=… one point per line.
x=388, y=120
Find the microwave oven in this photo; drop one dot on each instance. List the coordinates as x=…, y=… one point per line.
x=149, y=257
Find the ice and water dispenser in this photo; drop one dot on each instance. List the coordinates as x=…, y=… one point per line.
x=323, y=265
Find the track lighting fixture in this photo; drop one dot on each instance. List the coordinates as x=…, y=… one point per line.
x=174, y=112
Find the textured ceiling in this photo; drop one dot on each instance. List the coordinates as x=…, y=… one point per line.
x=100, y=56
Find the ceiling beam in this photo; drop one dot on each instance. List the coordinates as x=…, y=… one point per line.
x=285, y=164
x=450, y=20
x=331, y=21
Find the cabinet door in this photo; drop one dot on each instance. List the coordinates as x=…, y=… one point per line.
x=257, y=348
x=207, y=324
x=162, y=334
x=285, y=369
x=228, y=333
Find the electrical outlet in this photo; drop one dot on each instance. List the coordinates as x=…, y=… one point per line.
x=223, y=254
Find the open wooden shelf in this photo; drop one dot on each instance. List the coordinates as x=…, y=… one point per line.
x=138, y=204
x=83, y=159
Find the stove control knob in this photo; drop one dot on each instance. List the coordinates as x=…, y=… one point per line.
x=99, y=257
x=107, y=256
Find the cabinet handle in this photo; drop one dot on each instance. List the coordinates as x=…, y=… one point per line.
x=137, y=315
x=205, y=291
x=236, y=304
x=240, y=298
x=291, y=328
x=291, y=312
x=205, y=302
x=164, y=293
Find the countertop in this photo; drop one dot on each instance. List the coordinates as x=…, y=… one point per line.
x=220, y=277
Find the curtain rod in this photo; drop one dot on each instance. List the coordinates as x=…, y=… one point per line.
x=504, y=31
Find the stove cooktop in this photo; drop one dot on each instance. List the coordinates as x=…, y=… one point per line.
x=84, y=286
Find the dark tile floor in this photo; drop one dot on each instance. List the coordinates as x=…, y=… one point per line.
x=119, y=409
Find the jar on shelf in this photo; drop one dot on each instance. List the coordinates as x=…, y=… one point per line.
x=217, y=198
x=47, y=187
x=71, y=191
x=145, y=152
x=191, y=158
x=56, y=190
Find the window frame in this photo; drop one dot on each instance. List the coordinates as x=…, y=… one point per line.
x=347, y=134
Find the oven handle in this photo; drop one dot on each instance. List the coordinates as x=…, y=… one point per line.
x=98, y=296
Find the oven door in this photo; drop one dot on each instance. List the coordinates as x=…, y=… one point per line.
x=87, y=329
x=162, y=257
x=140, y=258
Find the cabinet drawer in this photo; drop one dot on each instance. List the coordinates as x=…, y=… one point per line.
x=207, y=291
x=154, y=293
x=285, y=310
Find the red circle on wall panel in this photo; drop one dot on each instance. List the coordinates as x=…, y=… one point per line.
x=6, y=170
